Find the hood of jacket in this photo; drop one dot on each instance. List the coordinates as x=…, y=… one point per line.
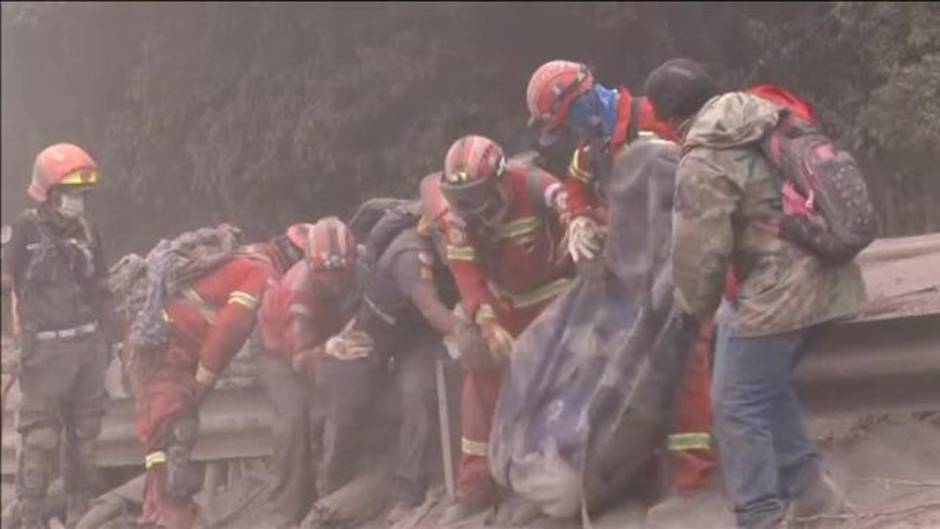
x=731, y=120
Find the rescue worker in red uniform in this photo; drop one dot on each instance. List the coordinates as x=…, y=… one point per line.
x=210, y=321
x=54, y=264
x=502, y=223
x=563, y=94
x=298, y=313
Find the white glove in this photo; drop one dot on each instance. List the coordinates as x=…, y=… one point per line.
x=349, y=345
x=584, y=239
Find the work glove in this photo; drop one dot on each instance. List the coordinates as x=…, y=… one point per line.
x=560, y=205
x=585, y=239
x=350, y=345
x=474, y=353
x=498, y=339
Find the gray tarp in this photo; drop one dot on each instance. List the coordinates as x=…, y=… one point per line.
x=591, y=380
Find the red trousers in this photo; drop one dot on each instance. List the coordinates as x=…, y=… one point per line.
x=477, y=405
x=691, y=459
x=165, y=392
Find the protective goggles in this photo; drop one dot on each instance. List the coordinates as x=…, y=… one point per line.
x=473, y=199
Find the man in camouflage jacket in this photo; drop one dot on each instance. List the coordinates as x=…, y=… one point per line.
x=726, y=195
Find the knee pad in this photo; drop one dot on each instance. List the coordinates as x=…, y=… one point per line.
x=45, y=438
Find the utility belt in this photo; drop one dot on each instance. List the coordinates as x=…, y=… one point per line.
x=61, y=334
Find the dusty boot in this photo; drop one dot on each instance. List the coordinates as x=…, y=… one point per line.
x=822, y=496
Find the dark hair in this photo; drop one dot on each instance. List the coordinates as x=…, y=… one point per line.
x=679, y=87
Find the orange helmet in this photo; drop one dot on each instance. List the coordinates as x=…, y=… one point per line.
x=61, y=164
x=471, y=168
x=552, y=90
x=331, y=245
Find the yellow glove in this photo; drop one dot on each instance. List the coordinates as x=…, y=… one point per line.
x=497, y=337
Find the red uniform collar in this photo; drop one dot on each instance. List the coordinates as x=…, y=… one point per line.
x=647, y=117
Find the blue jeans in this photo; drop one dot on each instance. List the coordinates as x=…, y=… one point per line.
x=764, y=454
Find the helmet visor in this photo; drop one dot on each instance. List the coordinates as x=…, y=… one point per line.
x=473, y=199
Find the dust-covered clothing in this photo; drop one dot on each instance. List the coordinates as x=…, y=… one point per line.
x=211, y=321
x=57, y=273
x=63, y=398
x=516, y=269
x=406, y=307
x=297, y=424
x=727, y=195
x=299, y=311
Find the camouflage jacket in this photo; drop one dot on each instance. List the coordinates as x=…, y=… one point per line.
x=726, y=192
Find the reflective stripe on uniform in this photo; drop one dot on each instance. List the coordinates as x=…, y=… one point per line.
x=679, y=442
x=473, y=448
x=518, y=227
x=154, y=458
x=193, y=297
x=531, y=297
x=575, y=171
x=243, y=298
x=461, y=253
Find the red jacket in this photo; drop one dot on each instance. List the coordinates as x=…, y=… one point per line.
x=582, y=199
x=300, y=311
x=519, y=265
x=216, y=314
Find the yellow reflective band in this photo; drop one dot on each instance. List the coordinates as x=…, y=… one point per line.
x=193, y=297
x=204, y=376
x=243, y=298
x=575, y=169
x=472, y=448
x=166, y=316
x=534, y=296
x=81, y=177
x=679, y=442
x=154, y=458
x=461, y=253
x=518, y=227
x=647, y=135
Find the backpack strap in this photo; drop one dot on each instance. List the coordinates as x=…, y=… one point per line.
x=633, y=130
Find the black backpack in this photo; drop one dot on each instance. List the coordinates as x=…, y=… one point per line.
x=378, y=221
x=826, y=206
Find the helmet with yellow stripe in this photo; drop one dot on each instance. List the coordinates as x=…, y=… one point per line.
x=472, y=168
x=62, y=164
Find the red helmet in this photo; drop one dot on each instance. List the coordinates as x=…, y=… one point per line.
x=471, y=168
x=552, y=90
x=331, y=245
x=61, y=164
